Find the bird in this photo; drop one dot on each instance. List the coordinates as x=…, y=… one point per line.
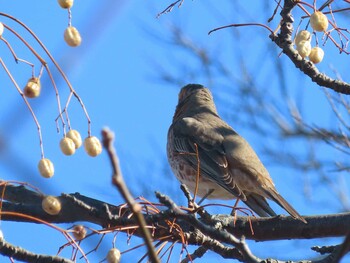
x=202, y=145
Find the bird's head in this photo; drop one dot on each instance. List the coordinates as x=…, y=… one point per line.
x=191, y=98
x=195, y=92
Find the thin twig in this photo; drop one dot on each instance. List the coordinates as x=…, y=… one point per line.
x=42, y=61
x=275, y=11
x=118, y=181
x=56, y=65
x=170, y=7
x=213, y=232
x=27, y=104
x=239, y=25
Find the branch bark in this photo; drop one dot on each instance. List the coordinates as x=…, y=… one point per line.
x=21, y=254
x=77, y=207
x=206, y=231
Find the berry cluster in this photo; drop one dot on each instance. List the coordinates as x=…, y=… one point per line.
x=68, y=144
x=319, y=23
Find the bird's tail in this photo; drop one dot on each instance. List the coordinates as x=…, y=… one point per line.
x=273, y=195
x=259, y=205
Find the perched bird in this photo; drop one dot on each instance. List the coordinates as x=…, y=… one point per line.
x=228, y=165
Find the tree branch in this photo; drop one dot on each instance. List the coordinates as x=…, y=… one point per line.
x=76, y=207
x=21, y=254
x=118, y=181
x=284, y=41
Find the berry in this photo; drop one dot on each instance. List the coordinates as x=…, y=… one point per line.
x=75, y=136
x=79, y=232
x=65, y=3
x=113, y=255
x=319, y=21
x=46, y=168
x=67, y=146
x=51, y=205
x=72, y=36
x=316, y=55
x=302, y=35
x=304, y=48
x=92, y=146
x=32, y=88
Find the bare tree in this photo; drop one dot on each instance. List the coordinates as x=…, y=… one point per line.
x=279, y=119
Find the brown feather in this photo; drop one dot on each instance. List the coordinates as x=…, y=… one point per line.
x=228, y=164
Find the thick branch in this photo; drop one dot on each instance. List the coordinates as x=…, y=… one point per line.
x=210, y=231
x=76, y=207
x=21, y=254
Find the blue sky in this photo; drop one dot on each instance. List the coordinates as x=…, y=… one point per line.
x=116, y=73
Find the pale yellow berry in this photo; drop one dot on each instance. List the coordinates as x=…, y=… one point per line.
x=79, y=232
x=46, y=168
x=2, y=28
x=72, y=36
x=65, y=3
x=302, y=35
x=67, y=146
x=51, y=205
x=316, y=55
x=304, y=48
x=319, y=21
x=92, y=146
x=75, y=136
x=113, y=255
x=32, y=88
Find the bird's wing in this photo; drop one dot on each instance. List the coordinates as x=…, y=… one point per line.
x=244, y=159
x=189, y=133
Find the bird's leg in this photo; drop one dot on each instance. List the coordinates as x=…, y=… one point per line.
x=205, y=196
x=192, y=204
x=233, y=212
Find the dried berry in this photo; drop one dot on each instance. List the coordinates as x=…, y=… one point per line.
x=92, y=146
x=319, y=21
x=316, y=55
x=75, y=136
x=302, y=35
x=113, y=255
x=65, y=3
x=46, y=168
x=51, y=205
x=32, y=88
x=79, y=232
x=67, y=146
x=72, y=36
x=304, y=48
